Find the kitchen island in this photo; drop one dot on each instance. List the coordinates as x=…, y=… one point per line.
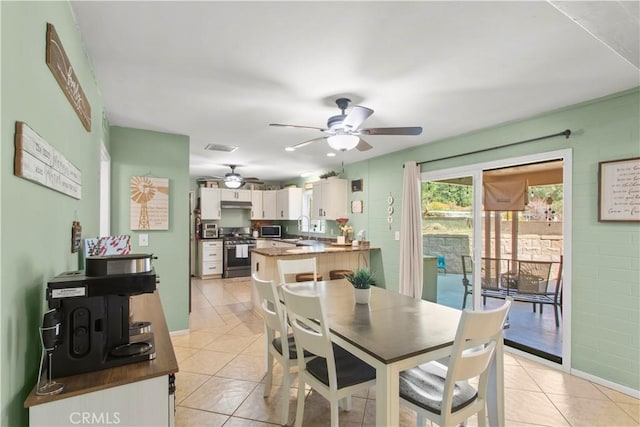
x=329, y=256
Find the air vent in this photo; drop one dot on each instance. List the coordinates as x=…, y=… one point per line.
x=219, y=147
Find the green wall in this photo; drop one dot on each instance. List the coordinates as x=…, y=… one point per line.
x=606, y=256
x=136, y=153
x=35, y=222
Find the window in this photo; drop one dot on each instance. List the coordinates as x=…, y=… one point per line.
x=317, y=225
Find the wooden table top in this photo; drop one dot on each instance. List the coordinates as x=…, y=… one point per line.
x=391, y=327
x=147, y=308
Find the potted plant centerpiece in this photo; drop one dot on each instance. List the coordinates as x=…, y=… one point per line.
x=361, y=279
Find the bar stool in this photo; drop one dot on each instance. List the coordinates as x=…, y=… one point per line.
x=307, y=277
x=339, y=274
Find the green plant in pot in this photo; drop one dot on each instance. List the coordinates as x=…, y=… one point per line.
x=362, y=280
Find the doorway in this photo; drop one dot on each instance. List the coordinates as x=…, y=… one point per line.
x=456, y=226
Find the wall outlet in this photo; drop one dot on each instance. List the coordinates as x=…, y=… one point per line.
x=397, y=235
x=143, y=240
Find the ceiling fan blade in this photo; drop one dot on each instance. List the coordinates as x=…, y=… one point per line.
x=356, y=117
x=392, y=131
x=209, y=178
x=363, y=145
x=253, y=180
x=302, y=144
x=296, y=126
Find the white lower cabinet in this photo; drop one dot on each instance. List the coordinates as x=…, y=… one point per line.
x=142, y=403
x=210, y=258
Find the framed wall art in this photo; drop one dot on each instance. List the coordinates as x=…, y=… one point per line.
x=356, y=185
x=149, y=203
x=619, y=190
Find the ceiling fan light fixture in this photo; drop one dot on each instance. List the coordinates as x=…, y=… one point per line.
x=343, y=142
x=232, y=180
x=289, y=149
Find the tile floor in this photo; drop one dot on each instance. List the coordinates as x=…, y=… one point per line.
x=222, y=369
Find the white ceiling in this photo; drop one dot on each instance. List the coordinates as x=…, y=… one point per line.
x=220, y=72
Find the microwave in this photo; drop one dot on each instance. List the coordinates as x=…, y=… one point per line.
x=209, y=231
x=270, y=231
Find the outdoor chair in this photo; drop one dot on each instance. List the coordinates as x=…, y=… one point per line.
x=336, y=374
x=443, y=394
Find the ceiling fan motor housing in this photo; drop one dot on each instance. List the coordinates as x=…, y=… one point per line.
x=334, y=122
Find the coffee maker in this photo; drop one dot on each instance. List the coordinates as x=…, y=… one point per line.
x=93, y=307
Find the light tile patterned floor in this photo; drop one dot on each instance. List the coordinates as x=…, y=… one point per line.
x=222, y=369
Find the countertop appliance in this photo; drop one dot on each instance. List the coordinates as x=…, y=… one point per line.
x=237, y=245
x=209, y=230
x=94, y=313
x=270, y=231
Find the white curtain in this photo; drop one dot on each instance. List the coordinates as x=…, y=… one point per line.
x=411, y=233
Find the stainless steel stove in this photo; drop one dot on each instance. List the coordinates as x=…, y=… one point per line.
x=237, y=243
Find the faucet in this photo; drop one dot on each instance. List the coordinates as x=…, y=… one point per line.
x=300, y=218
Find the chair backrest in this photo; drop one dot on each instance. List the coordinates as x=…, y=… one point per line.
x=490, y=272
x=289, y=267
x=467, y=270
x=473, y=349
x=533, y=276
x=275, y=317
x=308, y=320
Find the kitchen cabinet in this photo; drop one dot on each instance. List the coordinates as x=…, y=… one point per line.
x=289, y=203
x=228, y=194
x=269, y=208
x=329, y=199
x=256, y=204
x=210, y=258
x=209, y=203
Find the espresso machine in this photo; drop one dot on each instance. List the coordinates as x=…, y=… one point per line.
x=93, y=309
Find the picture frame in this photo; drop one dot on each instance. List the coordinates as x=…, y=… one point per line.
x=619, y=190
x=357, y=206
x=356, y=185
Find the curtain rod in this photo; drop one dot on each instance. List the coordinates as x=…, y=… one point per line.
x=566, y=133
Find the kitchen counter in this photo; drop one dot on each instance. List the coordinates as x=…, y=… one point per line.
x=304, y=247
x=118, y=390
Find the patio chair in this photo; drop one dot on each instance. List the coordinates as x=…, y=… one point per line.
x=336, y=374
x=279, y=345
x=467, y=275
x=442, y=264
x=443, y=394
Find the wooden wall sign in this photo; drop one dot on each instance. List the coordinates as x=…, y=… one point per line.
x=62, y=70
x=36, y=160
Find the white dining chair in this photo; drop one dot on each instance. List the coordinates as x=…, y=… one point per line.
x=279, y=344
x=292, y=267
x=336, y=374
x=443, y=394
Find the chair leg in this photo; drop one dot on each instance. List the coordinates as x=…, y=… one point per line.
x=300, y=404
x=555, y=312
x=269, y=379
x=420, y=420
x=464, y=300
x=334, y=416
x=286, y=386
x=345, y=403
x=482, y=418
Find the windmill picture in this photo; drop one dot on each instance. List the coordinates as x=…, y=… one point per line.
x=149, y=203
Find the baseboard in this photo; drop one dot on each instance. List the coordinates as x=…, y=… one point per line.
x=614, y=386
x=180, y=332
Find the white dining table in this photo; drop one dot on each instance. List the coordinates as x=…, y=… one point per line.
x=395, y=332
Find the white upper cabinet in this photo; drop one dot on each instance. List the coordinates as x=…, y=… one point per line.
x=209, y=203
x=269, y=208
x=228, y=194
x=289, y=203
x=329, y=199
x=256, y=204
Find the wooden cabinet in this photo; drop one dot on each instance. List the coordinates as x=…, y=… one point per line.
x=269, y=208
x=289, y=203
x=228, y=194
x=256, y=204
x=209, y=203
x=210, y=258
x=329, y=199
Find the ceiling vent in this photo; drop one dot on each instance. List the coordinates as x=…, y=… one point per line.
x=220, y=147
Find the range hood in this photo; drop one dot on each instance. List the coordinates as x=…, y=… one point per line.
x=232, y=204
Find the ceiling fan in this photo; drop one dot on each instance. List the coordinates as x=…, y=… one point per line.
x=344, y=130
x=232, y=179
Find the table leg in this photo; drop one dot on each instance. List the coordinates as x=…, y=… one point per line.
x=495, y=394
x=387, y=396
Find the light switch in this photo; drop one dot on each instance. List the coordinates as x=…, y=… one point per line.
x=397, y=235
x=143, y=240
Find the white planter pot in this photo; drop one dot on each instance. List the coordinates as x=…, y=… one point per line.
x=362, y=295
